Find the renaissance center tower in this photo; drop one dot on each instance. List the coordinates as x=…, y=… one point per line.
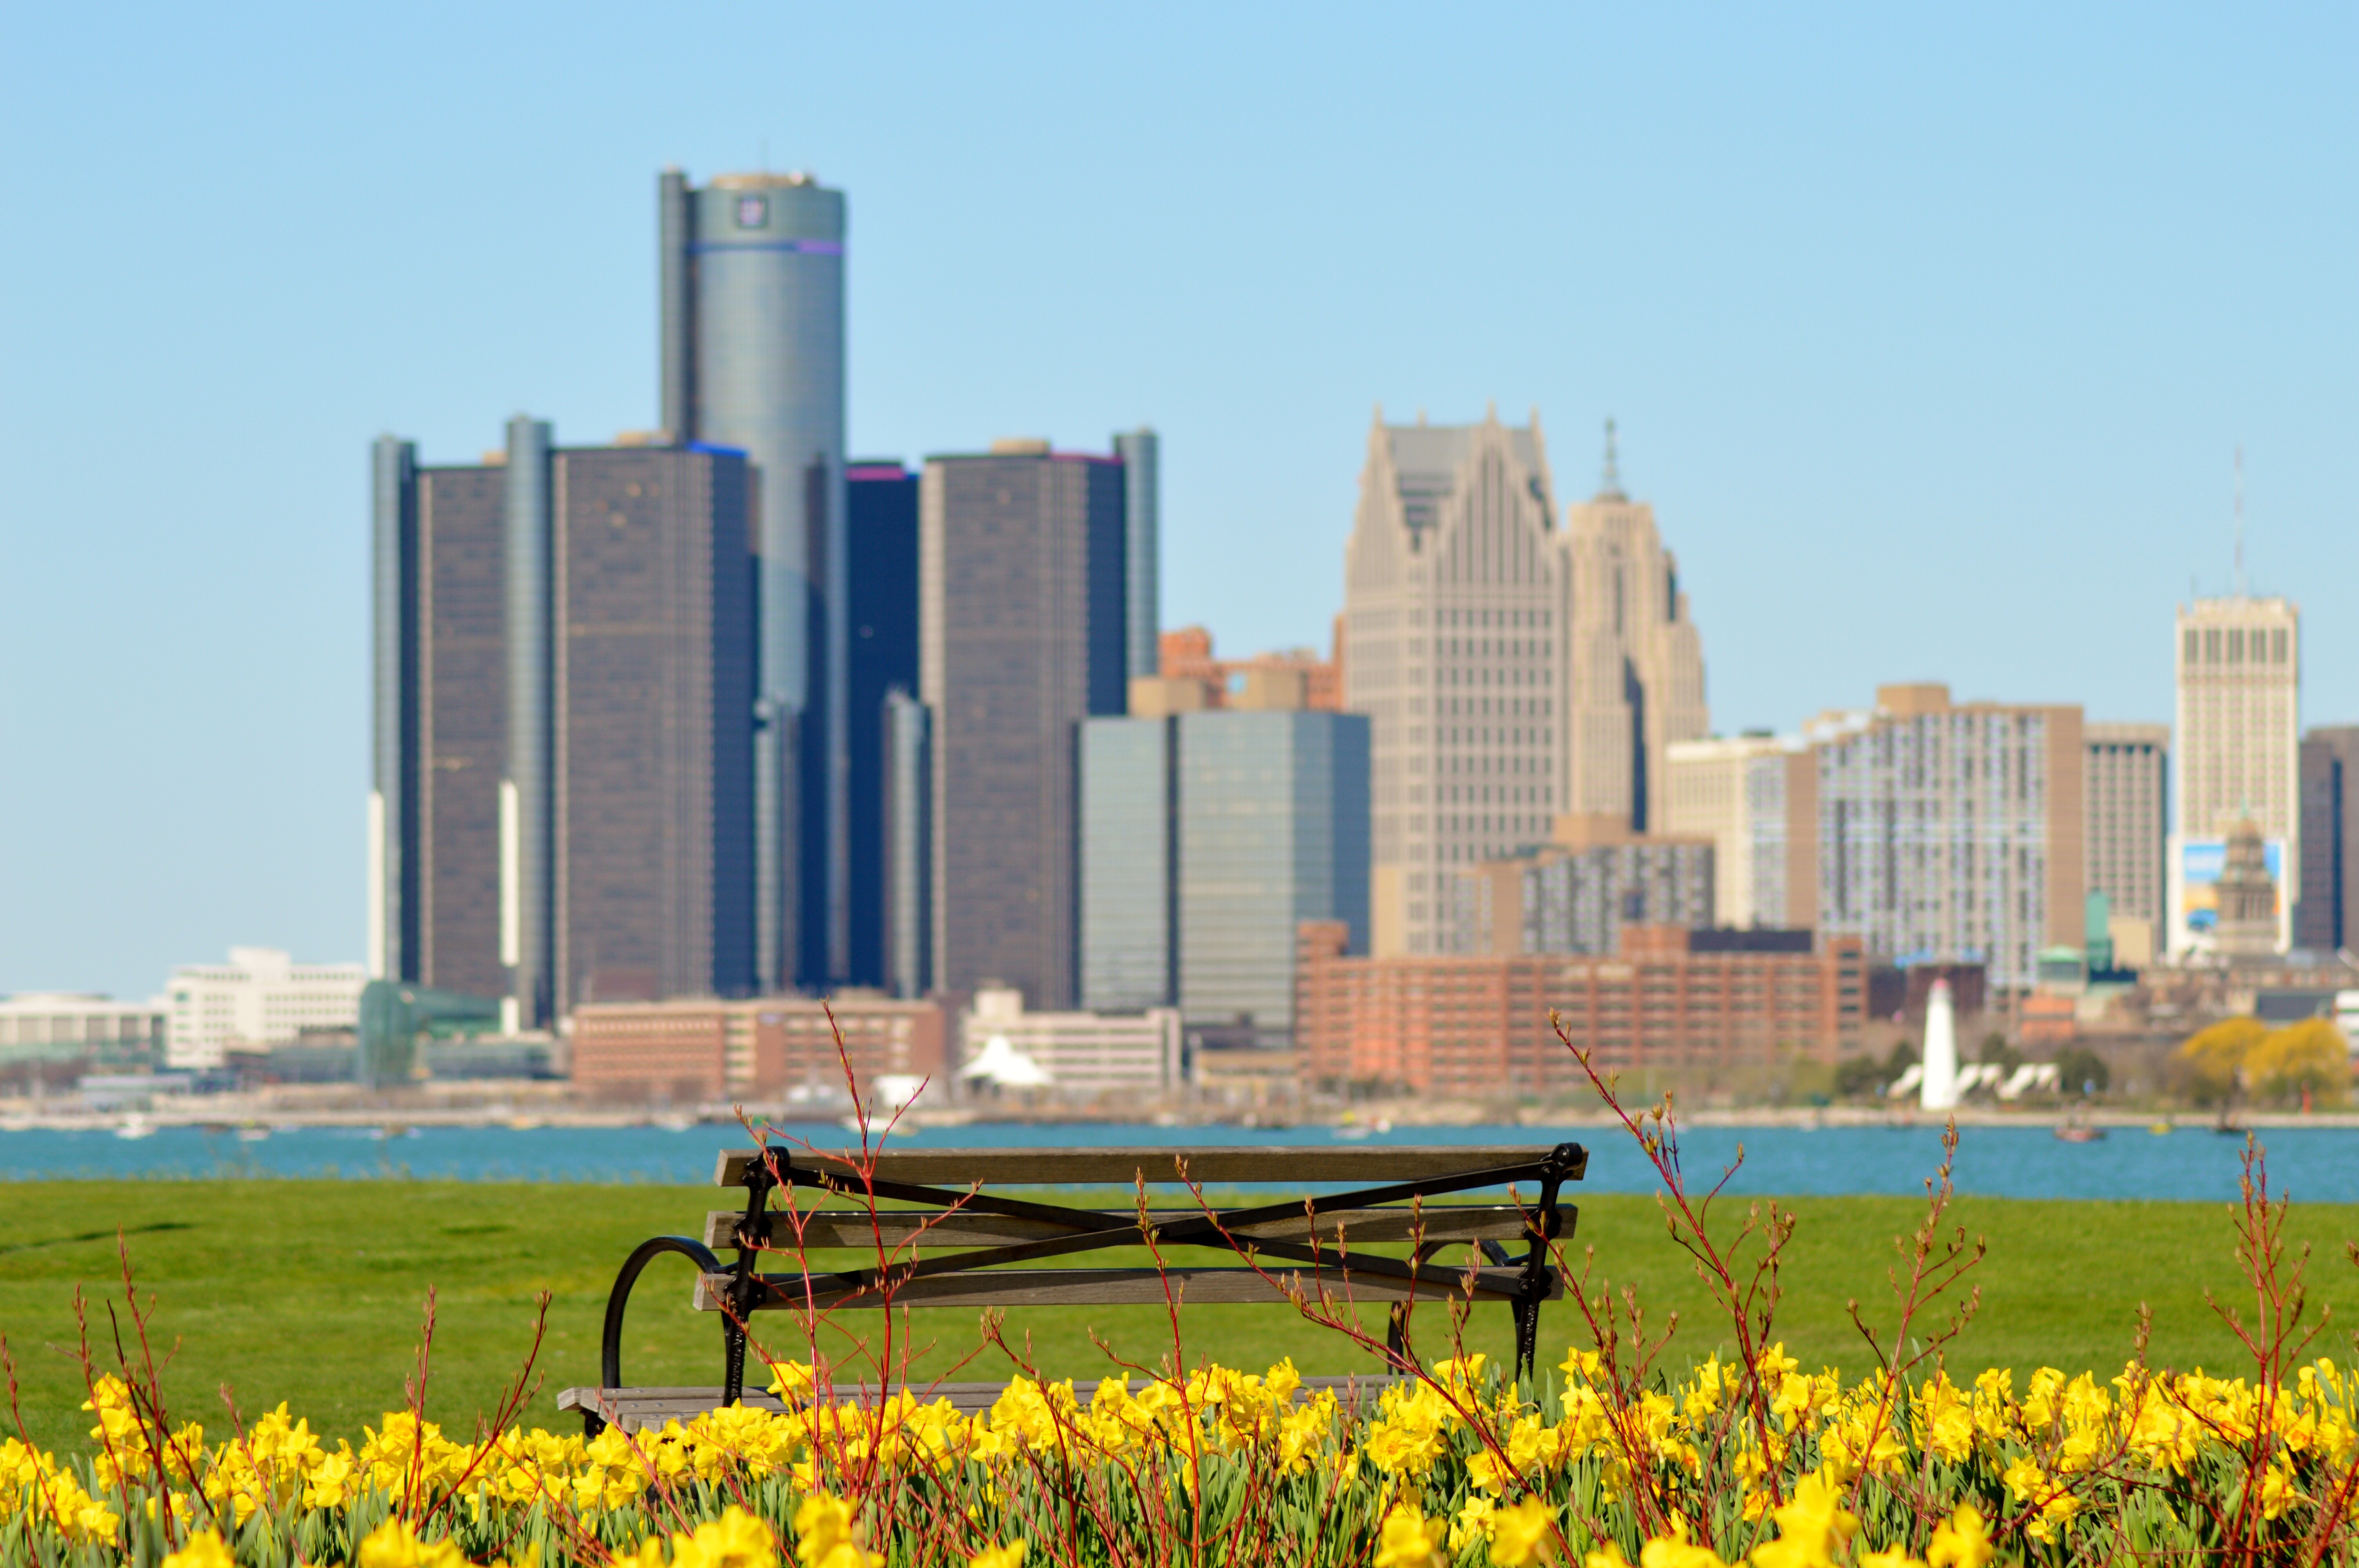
x=752, y=282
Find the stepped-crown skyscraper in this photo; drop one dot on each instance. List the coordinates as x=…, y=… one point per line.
x=1516, y=663
x=751, y=281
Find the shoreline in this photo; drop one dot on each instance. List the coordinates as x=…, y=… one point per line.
x=247, y=1114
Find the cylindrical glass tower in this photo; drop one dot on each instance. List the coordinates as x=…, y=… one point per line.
x=753, y=359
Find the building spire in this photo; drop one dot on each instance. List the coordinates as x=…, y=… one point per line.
x=1609, y=486
x=2240, y=520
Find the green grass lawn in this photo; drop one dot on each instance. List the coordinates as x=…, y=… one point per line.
x=312, y=1292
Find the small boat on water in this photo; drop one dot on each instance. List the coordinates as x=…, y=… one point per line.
x=2075, y=1129
x=136, y=1126
x=252, y=1134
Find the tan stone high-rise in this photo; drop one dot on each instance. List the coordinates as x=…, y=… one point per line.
x=2239, y=743
x=1514, y=663
x=1635, y=678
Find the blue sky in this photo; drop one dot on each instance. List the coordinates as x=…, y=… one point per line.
x=1930, y=335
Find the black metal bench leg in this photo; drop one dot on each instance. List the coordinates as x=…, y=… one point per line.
x=745, y=1285
x=610, y=1339
x=732, y=1360
x=1526, y=1307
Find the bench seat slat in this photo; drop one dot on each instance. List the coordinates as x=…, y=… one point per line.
x=851, y=1227
x=641, y=1409
x=1370, y=1165
x=1131, y=1287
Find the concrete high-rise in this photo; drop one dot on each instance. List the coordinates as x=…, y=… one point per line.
x=1951, y=832
x=753, y=358
x=1514, y=663
x=564, y=678
x=882, y=615
x=1577, y=892
x=2238, y=751
x=1756, y=798
x=1021, y=610
x=2127, y=796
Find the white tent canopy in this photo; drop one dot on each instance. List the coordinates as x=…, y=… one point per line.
x=1003, y=1065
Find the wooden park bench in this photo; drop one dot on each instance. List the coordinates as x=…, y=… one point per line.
x=971, y=1245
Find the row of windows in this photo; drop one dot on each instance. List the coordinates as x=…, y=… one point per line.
x=2235, y=645
x=1482, y=706
x=1536, y=619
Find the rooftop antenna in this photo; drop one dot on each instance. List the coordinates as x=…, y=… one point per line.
x=1610, y=483
x=2240, y=520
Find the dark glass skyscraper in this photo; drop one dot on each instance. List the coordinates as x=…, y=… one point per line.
x=565, y=675
x=751, y=281
x=1021, y=611
x=882, y=635
x=440, y=638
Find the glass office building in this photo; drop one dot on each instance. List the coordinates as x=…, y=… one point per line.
x=1207, y=839
x=1273, y=830
x=751, y=281
x=1127, y=822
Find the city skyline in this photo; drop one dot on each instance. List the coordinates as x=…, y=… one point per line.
x=1954, y=401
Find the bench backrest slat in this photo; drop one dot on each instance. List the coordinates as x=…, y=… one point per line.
x=1120, y=1167
x=852, y=1227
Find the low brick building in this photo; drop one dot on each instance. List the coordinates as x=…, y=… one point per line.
x=760, y=1051
x=1478, y=1024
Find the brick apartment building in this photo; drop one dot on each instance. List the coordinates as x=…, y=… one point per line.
x=1478, y=1024
x=763, y=1050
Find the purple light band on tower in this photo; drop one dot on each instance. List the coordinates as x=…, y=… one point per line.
x=793, y=247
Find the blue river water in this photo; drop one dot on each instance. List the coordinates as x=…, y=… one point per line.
x=2315, y=1164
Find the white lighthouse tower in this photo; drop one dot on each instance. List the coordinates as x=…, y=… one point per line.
x=1939, y=1089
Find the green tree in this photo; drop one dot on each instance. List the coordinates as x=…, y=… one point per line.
x=2080, y=1070
x=1860, y=1078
